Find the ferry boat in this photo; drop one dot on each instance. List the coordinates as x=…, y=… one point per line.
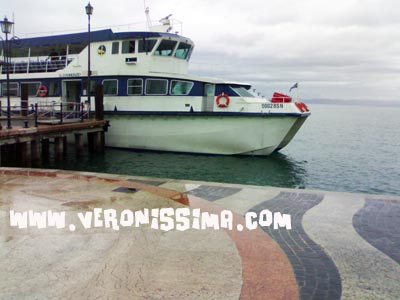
x=150, y=99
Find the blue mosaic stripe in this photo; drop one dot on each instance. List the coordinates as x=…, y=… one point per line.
x=378, y=222
x=316, y=273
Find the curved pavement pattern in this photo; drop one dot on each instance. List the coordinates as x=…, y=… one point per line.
x=366, y=272
x=341, y=246
x=378, y=222
x=330, y=259
x=316, y=273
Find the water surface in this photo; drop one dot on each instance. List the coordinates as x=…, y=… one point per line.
x=339, y=148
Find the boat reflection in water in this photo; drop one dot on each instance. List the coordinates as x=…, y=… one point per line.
x=274, y=170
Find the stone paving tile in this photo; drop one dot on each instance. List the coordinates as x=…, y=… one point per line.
x=316, y=274
x=125, y=190
x=378, y=222
x=213, y=193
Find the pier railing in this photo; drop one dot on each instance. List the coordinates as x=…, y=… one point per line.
x=46, y=113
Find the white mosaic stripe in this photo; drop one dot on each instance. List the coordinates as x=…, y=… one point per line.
x=366, y=273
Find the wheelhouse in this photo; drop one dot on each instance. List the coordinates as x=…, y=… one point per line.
x=121, y=62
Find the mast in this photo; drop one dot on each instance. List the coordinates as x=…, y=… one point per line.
x=147, y=12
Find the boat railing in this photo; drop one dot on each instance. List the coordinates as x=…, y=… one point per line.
x=38, y=65
x=47, y=113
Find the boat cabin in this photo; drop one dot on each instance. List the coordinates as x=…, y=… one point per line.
x=126, y=64
x=54, y=53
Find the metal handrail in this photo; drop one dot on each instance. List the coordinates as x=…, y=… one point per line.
x=41, y=65
x=51, y=113
x=64, y=111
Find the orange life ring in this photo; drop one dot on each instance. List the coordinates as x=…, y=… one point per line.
x=42, y=91
x=225, y=103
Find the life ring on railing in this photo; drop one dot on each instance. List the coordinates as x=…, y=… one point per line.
x=42, y=91
x=225, y=103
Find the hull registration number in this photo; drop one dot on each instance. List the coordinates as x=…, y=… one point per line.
x=272, y=105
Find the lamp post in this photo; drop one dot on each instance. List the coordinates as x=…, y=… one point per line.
x=6, y=27
x=89, y=12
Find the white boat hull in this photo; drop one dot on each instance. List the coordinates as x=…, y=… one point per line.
x=194, y=133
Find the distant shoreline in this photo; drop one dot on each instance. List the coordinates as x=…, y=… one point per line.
x=354, y=102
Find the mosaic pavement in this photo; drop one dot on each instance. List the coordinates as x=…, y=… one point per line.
x=340, y=246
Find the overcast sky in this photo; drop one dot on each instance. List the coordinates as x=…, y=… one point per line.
x=342, y=49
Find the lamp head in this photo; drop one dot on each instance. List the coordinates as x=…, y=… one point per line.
x=89, y=9
x=6, y=26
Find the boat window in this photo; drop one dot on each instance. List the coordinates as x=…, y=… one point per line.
x=242, y=92
x=209, y=90
x=110, y=86
x=76, y=49
x=128, y=46
x=32, y=87
x=146, y=45
x=135, y=86
x=156, y=86
x=181, y=87
x=54, y=88
x=92, y=87
x=166, y=48
x=115, y=48
x=183, y=50
x=13, y=89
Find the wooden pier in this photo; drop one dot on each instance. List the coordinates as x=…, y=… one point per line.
x=29, y=138
x=29, y=145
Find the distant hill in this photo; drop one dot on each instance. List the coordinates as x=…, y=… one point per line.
x=354, y=102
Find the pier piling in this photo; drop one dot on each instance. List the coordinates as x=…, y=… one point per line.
x=65, y=144
x=35, y=151
x=24, y=153
x=24, y=100
x=45, y=148
x=79, y=144
x=58, y=147
x=99, y=99
x=8, y=153
x=96, y=142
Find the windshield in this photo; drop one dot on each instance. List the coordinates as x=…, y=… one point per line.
x=241, y=91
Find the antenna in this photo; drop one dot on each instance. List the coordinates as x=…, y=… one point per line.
x=14, y=24
x=147, y=12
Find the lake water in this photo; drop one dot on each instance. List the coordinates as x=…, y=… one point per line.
x=339, y=148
